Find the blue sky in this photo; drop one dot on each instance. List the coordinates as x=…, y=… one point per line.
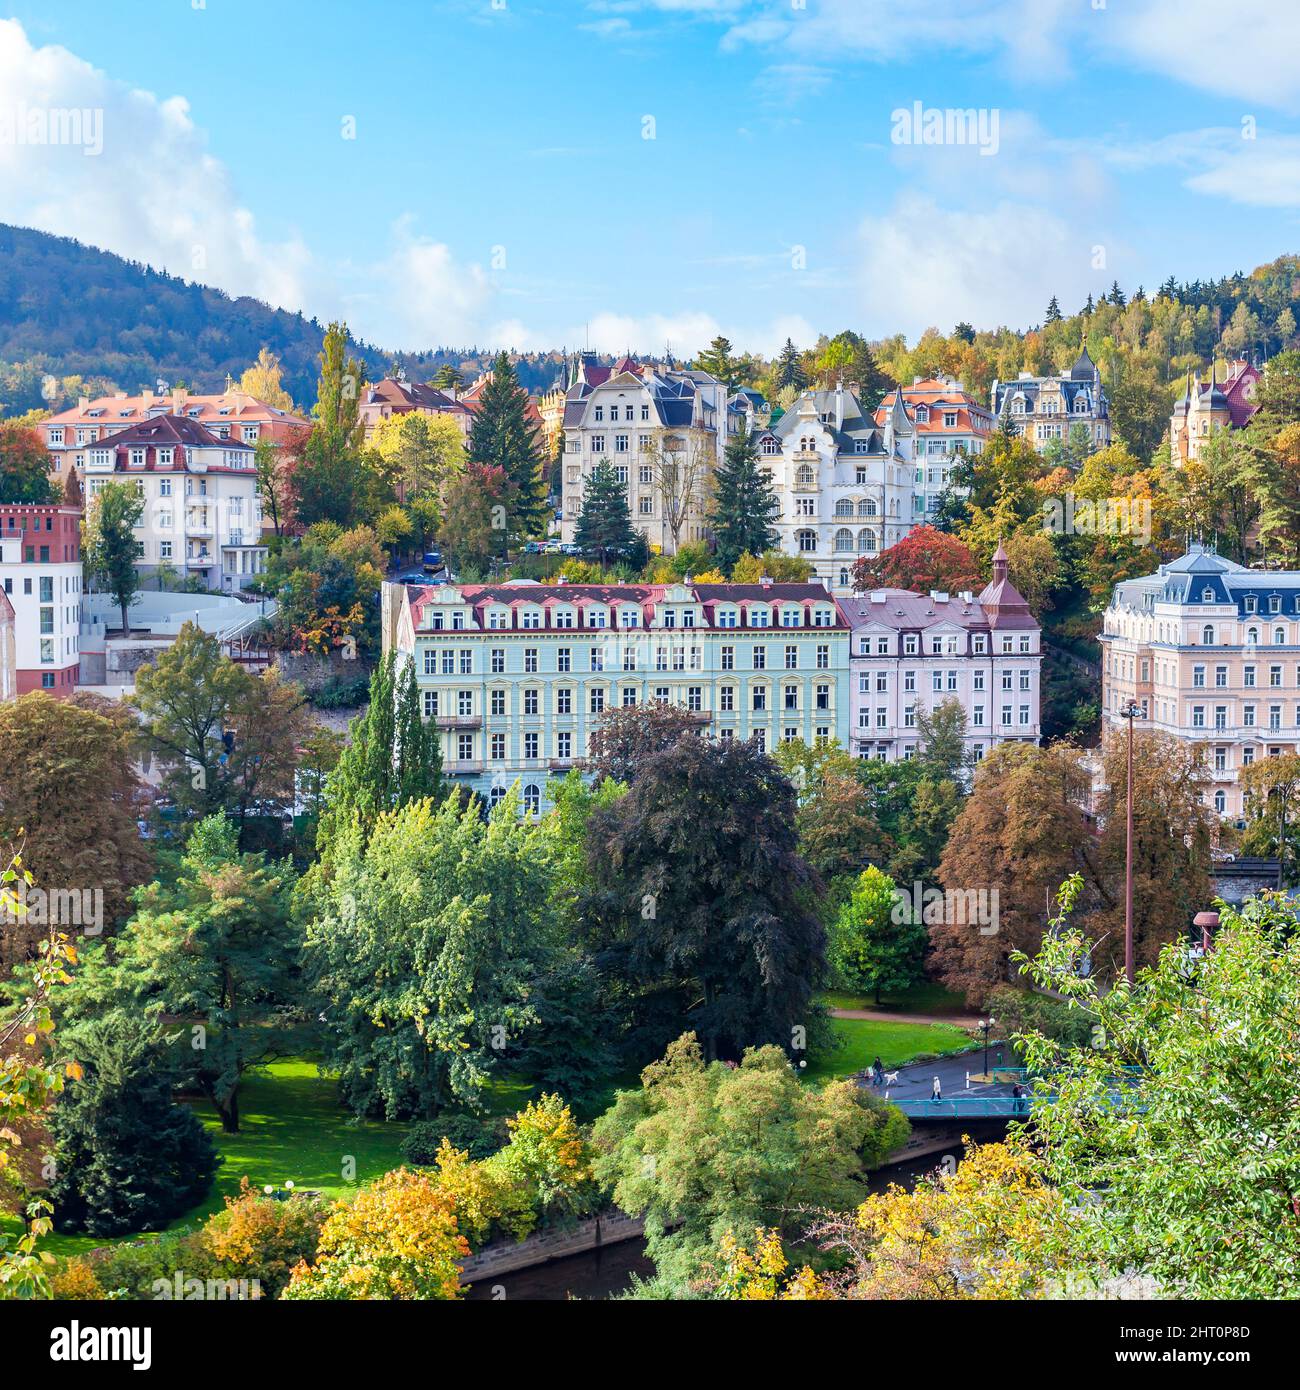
x=499, y=188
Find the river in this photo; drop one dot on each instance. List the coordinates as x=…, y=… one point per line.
x=604, y=1273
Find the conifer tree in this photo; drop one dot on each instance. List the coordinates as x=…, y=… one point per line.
x=789, y=368
x=1053, y=310
x=392, y=759
x=718, y=360
x=744, y=506
x=502, y=436
x=604, y=526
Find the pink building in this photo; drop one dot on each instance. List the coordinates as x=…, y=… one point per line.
x=913, y=650
x=40, y=577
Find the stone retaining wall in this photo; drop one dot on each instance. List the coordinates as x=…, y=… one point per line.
x=507, y=1256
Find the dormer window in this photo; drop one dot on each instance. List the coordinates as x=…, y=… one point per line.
x=164, y=458
x=1207, y=595
x=564, y=617
x=532, y=618
x=758, y=617
x=1252, y=604
x=860, y=446
x=790, y=616
x=629, y=617
x=597, y=617
x=727, y=617
x=1274, y=603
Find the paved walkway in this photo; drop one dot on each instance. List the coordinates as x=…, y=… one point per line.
x=885, y=1016
x=916, y=1079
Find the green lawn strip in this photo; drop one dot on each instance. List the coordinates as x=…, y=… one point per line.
x=291, y=1128
x=862, y=1040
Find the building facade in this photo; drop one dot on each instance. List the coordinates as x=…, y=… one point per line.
x=518, y=675
x=8, y=650
x=1209, y=651
x=1045, y=409
x=662, y=428
x=1207, y=407
x=912, y=651
x=40, y=574
x=233, y=415
x=844, y=480
x=202, y=514
x=948, y=424
x=394, y=395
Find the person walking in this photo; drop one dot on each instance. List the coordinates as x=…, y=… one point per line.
x=936, y=1094
x=878, y=1072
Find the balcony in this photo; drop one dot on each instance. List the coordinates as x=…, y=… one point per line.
x=459, y=721
x=462, y=766
x=197, y=523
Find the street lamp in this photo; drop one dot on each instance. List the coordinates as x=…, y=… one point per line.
x=986, y=1025
x=1131, y=711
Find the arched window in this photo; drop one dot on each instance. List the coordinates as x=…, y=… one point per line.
x=867, y=507
x=1279, y=636
x=1220, y=802
x=495, y=797
x=844, y=578
x=807, y=540
x=844, y=507
x=843, y=539
x=805, y=475
x=807, y=445
x=1207, y=636
x=532, y=799
x=1252, y=635
x=867, y=540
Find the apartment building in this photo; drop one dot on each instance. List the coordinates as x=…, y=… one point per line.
x=1206, y=407
x=1047, y=408
x=395, y=395
x=1209, y=651
x=844, y=479
x=948, y=423
x=41, y=577
x=202, y=513
x=910, y=651
x=232, y=415
x=664, y=430
x=8, y=650
x=518, y=675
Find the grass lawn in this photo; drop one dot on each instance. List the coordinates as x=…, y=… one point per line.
x=925, y=998
x=862, y=1040
x=291, y=1127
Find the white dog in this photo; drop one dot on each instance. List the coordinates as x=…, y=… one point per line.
x=891, y=1078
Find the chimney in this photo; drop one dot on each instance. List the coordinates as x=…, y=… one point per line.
x=766, y=581
x=839, y=405
x=83, y=402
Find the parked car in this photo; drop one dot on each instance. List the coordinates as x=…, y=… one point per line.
x=535, y=548
x=432, y=561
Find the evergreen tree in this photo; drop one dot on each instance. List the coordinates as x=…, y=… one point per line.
x=127, y=1158
x=1053, y=310
x=502, y=436
x=1117, y=295
x=789, y=368
x=718, y=360
x=393, y=757
x=448, y=377
x=745, y=508
x=604, y=526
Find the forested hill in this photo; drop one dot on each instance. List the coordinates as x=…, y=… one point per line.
x=70, y=311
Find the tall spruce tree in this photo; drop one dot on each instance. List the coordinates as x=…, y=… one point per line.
x=1053, y=310
x=392, y=759
x=745, y=508
x=502, y=436
x=604, y=528
x=789, y=368
x=719, y=361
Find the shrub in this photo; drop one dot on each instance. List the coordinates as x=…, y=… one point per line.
x=258, y=1237
x=478, y=1138
x=133, y=1270
x=1023, y=1011
x=342, y=693
x=75, y=1279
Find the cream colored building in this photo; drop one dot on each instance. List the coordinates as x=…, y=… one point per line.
x=1045, y=409
x=1210, y=653
x=1207, y=407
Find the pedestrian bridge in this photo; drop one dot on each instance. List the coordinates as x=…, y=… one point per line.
x=962, y=1097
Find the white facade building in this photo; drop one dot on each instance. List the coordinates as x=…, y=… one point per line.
x=40, y=574
x=202, y=511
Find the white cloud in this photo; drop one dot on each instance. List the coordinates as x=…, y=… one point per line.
x=152, y=192
x=924, y=265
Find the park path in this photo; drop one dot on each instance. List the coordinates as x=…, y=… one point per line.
x=887, y=1016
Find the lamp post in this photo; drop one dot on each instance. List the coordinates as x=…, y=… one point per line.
x=986, y=1025
x=1207, y=921
x=1131, y=711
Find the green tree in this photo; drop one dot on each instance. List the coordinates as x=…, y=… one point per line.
x=745, y=507
x=126, y=1156
x=788, y=370
x=423, y=957
x=702, y=1149
x=110, y=551
x=604, y=528
x=502, y=436
x=874, y=944
x=719, y=360
x=393, y=757
x=326, y=471
x=1214, y=1040
x=218, y=951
